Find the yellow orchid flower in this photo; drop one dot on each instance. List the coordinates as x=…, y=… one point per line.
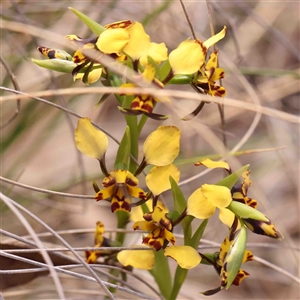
x=130, y=38
x=161, y=234
x=258, y=225
x=143, y=103
x=160, y=227
x=204, y=201
x=219, y=263
x=190, y=55
x=99, y=240
x=92, y=71
x=208, y=75
x=120, y=186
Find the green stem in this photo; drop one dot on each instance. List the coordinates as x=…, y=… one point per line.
x=134, y=135
x=141, y=124
x=180, y=218
x=179, y=278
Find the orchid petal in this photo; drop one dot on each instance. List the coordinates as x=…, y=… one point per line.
x=219, y=196
x=162, y=146
x=157, y=179
x=89, y=140
x=186, y=256
x=138, y=259
x=198, y=206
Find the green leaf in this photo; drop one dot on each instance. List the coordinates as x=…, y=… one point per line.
x=102, y=99
x=116, y=81
x=122, y=157
x=60, y=65
x=235, y=255
x=164, y=70
x=211, y=256
x=91, y=24
x=194, y=242
x=180, y=79
x=246, y=212
x=122, y=217
x=179, y=278
x=161, y=273
x=231, y=179
x=180, y=207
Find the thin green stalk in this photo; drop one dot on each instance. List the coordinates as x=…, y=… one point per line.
x=134, y=135
x=141, y=124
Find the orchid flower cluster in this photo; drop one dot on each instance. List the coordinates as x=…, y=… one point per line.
x=127, y=43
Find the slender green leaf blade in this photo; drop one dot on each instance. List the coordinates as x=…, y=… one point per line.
x=59, y=65
x=231, y=179
x=198, y=234
x=161, y=273
x=122, y=157
x=246, y=212
x=235, y=256
x=180, y=207
x=91, y=24
x=179, y=278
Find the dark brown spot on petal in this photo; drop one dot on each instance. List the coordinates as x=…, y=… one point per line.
x=166, y=224
x=142, y=195
x=154, y=244
x=148, y=217
x=130, y=182
x=99, y=196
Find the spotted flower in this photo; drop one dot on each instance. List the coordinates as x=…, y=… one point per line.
x=220, y=261
x=120, y=186
x=204, y=201
x=245, y=208
x=160, y=227
x=208, y=75
x=130, y=38
x=99, y=240
x=87, y=70
x=190, y=55
x=143, y=103
x=161, y=234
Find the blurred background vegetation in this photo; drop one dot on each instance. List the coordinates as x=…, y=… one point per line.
x=260, y=55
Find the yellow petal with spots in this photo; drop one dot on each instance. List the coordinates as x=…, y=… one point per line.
x=89, y=140
x=105, y=193
x=144, y=225
x=186, y=256
x=120, y=175
x=112, y=40
x=162, y=146
x=199, y=207
x=137, y=213
x=99, y=233
x=219, y=196
x=208, y=163
x=139, y=259
x=187, y=58
x=157, y=179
